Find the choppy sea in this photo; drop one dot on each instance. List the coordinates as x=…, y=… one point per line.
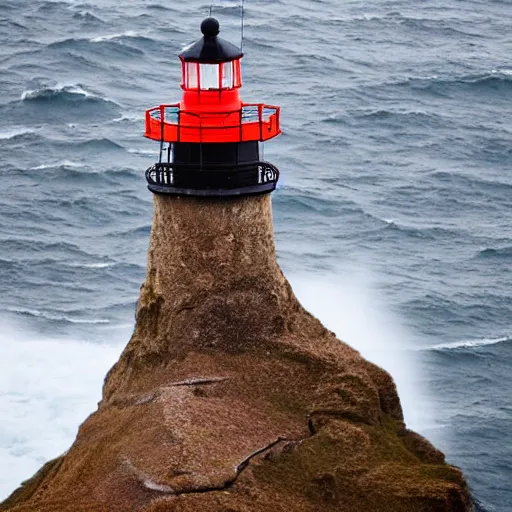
x=393, y=218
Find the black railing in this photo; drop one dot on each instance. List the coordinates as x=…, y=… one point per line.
x=212, y=180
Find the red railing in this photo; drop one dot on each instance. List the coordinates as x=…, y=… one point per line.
x=254, y=121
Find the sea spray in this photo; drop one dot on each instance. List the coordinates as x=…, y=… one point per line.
x=47, y=388
x=353, y=308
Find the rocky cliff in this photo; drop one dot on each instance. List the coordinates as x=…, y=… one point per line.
x=231, y=397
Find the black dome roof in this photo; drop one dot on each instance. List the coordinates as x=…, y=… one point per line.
x=211, y=49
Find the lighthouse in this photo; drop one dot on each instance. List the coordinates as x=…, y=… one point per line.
x=210, y=140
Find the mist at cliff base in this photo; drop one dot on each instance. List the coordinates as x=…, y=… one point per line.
x=352, y=307
x=48, y=386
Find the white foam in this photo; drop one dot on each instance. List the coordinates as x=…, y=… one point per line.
x=98, y=265
x=60, y=318
x=502, y=71
x=77, y=89
x=141, y=151
x=47, y=388
x=10, y=134
x=110, y=37
x=368, y=17
x=482, y=342
x=90, y=265
x=59, y=88
x=63, y=163
x=352, y=307
x=72, y=89
x=30, y=93
x=128, y=116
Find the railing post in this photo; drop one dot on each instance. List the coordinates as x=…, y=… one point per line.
x=260, y=118
x=241, y=120
x=179, y=125
x=162, y=114
x=148, y=122
x=200, y=143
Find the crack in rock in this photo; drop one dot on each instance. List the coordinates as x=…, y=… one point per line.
x=128, y=401
x=199, y=381
x=146, y=480
x=150, y=484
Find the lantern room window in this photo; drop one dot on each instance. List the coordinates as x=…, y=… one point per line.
x=208, y=77
x=191, y=80
x=227, y=75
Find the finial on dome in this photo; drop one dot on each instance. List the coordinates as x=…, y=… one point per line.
x=210, y=27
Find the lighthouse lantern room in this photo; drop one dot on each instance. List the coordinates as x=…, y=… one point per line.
x=210, y=140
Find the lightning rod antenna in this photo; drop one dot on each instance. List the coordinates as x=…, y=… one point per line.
x=242, y=28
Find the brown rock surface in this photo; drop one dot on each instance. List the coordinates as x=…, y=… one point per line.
x=231, y=397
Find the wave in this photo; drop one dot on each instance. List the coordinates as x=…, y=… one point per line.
x=90, y=265
x=58, y=165
x=489, y=252
x=367, y=17
x=380, y=114
x=478, y=506
x=30, y=246
x=432, y=26
x=87, y=16
x=142, y=151
x=482, y=342
x=129, y=34
x=144, y=230
x=61, y=263
x=99, y=144
x=495, y=80
x=228, y=6
x=129, y=116
x=15, y=132
x=15, y=24
x=459, y=179
x=55, y=5
x=56, y=318
x=502, y=71
x=426, y=232
x=46, y=406
x=117, y=43
x=73, y=92
x=81, y=172
x=397, y=117
x=159, y=7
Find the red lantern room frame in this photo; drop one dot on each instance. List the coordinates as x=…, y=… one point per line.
x=212, y=114
x=213, y=137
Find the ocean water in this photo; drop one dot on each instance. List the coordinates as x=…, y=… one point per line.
x=393, y=218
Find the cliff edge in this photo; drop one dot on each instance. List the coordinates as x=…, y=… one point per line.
x=231, y=397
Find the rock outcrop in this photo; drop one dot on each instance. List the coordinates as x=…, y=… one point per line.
x=231, y=397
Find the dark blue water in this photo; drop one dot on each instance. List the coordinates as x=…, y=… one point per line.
x=395, y=199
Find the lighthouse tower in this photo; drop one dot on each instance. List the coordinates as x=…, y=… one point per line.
x=210, y=141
